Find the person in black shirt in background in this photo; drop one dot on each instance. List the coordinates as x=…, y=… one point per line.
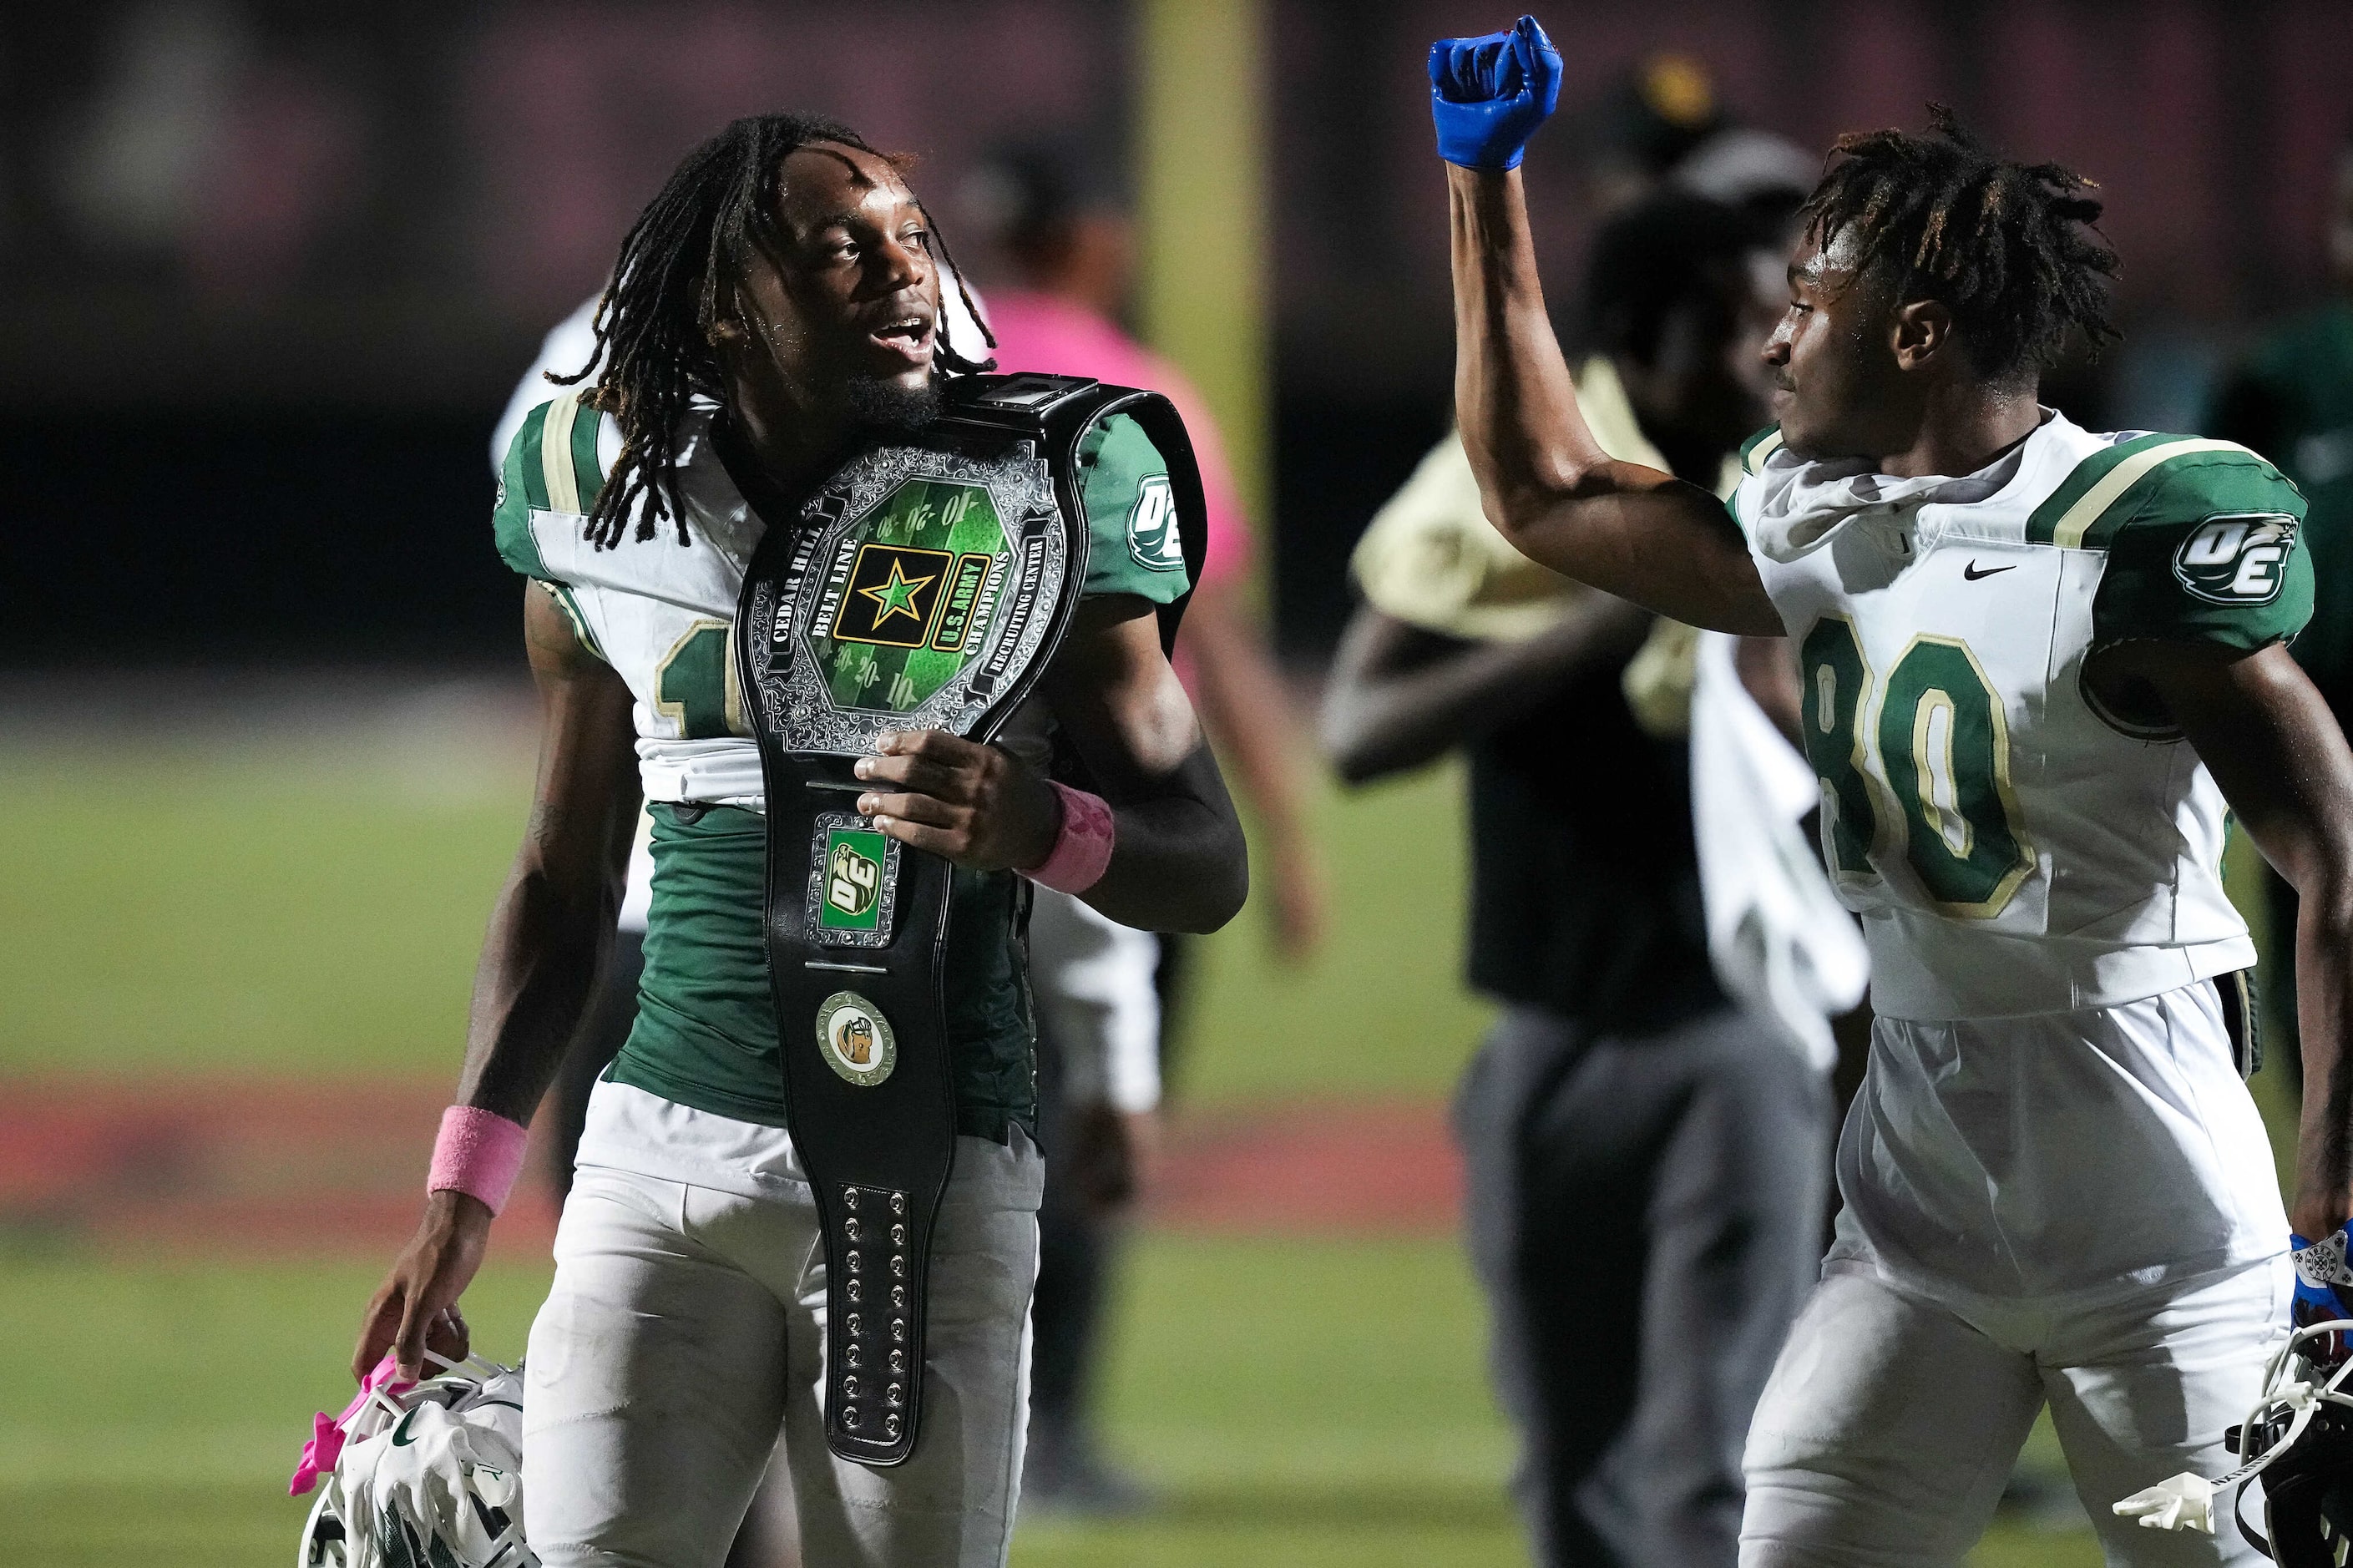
x=1647, y=1163
x=2291, y=398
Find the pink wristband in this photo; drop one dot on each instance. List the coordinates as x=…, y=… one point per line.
x=1082, y=848
x=480, y=1154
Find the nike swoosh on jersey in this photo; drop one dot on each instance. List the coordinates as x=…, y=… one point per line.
x=1972, y=573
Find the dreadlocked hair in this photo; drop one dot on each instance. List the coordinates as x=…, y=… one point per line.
x=670, y=286
x=2008, y=247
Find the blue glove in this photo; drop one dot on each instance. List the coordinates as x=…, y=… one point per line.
x=1488, y=95
x=2323, y=1278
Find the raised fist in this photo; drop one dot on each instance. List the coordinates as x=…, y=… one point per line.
x=1488, y=95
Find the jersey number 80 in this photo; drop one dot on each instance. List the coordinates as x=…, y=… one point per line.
x=1941, y=783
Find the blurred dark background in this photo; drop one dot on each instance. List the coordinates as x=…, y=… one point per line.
x=270, y=269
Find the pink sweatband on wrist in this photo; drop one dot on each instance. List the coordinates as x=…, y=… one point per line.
x=480, y=1154
x=1082, y=848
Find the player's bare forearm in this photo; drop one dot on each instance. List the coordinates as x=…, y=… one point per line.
x=552, y=926
x=548, y=935
x=1179, y=862
x=2323, y=1199
x=2275, y=750
x=540, y=962
x=1400, y=697
x=1543, y=482
x=1526, y=435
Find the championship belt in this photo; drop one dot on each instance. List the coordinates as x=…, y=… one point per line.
x=925, y=586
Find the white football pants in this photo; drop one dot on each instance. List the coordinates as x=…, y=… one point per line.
x=1890, y=1423
x=1093, y=980
x=686, y=1324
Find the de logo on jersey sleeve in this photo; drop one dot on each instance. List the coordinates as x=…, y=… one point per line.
x=2236, y=559
x=1153, y=537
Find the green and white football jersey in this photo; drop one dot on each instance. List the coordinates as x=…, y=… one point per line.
x=660, y=613
x=2013, y=846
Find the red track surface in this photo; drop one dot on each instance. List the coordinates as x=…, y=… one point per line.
x=208, y=1165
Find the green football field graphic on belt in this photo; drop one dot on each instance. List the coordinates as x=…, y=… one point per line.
x=910, y=616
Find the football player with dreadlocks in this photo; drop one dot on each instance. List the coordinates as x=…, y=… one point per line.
x=2040, y=668
x=775, y=306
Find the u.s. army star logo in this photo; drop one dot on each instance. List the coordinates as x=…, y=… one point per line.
x=855, y=1039
x=894, y=590
x=897, y=596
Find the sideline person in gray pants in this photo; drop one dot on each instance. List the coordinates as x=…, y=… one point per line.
x=1647, y=1163
x=1645, y=1214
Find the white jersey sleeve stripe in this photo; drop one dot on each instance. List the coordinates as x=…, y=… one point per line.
x=2077, y=520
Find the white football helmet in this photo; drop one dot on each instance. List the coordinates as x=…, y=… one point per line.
x=2299, y=1439
x=429, y=1476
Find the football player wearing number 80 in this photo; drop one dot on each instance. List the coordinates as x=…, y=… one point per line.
x=776, y=304
x=2036, y=662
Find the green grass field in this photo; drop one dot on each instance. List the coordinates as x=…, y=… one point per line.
x=151, y=1412
x=312, y=910
x=317, y=910
x=155, y=1411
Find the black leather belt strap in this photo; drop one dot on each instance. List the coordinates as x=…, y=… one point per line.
x=855, y=602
